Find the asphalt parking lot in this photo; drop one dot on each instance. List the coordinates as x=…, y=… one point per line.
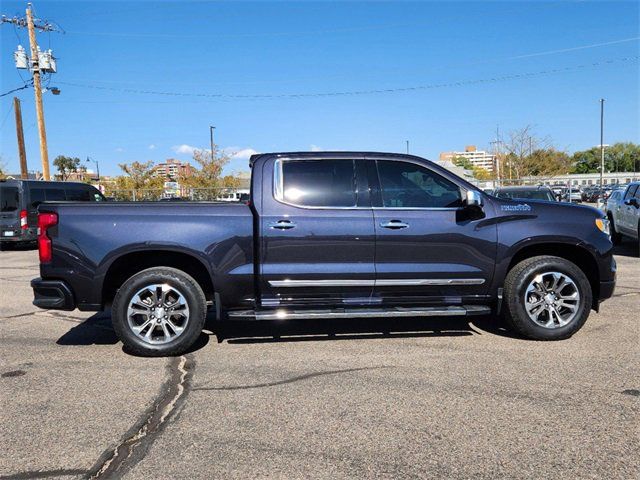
x=393, y=398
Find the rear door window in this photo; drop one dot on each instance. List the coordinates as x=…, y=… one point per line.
x=318, y=183
x=9, y=199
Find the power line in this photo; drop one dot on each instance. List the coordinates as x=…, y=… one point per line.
x=6, y=117
x=500, y=78
x=26, y=85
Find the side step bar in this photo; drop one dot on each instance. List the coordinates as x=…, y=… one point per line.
x=283, y=314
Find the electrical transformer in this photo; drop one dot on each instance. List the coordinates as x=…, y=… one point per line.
x=21, y=59
x=46, y=61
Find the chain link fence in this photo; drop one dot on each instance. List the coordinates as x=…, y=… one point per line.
x=191, y=194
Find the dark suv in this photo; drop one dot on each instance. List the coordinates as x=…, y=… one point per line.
x=19, y=200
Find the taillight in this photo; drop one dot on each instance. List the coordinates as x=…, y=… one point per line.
x=45, y=220
x=24, y=224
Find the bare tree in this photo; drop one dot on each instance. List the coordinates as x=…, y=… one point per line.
x=525, y=154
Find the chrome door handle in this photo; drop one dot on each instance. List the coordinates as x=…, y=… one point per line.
x=394, y=224
x=283, y=225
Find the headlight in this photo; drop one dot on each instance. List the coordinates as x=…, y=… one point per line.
x=603, y=225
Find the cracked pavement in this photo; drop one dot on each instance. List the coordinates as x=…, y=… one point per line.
x=334, y=399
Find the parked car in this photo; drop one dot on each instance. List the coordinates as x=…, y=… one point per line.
x=526, y=193
x=19, y=200
x=572, y=194
x=591, y=194
x=613, y=201
x=624, y=214
x=327, y=235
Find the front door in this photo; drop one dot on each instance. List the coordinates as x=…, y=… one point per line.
x=317, y=233
x=627, y=217
x=428, y=250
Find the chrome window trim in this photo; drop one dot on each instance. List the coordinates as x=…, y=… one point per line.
x=278, y=184
x=376, y=283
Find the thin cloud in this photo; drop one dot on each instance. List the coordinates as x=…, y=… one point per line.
x=242, y=154
x=184, y=149
x=152, y=147
x=315, y=148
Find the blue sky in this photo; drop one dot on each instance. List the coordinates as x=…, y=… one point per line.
x=283, y=48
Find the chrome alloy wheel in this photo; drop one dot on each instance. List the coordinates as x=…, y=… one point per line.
x=158, y=314
x=552, y=299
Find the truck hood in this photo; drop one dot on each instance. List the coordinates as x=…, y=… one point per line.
x=564, y=211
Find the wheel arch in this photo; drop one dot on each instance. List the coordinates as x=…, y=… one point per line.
x=128, y=264
x=577, y=254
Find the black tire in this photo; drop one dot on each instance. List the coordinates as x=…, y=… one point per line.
x=616, y=237
x=521, y=275
x=179, y=281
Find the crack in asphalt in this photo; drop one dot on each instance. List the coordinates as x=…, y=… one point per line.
x=43, y=474
x=288, y=380
x=117, y=461
x=19, y=315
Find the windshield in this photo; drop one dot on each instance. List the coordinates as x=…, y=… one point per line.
x=527, y=195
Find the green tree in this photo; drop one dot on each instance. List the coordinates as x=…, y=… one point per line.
x=619, y=157
x=478, y=172
x=139, y=181
x=66, y=166
x=209, y=174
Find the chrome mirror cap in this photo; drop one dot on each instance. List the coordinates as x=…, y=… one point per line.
x=474, y=198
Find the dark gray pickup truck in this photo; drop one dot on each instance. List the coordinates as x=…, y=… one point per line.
x=327, y=235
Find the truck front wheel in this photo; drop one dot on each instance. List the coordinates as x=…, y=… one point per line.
x=547, y=298
x=616, y=237
x=159, y=311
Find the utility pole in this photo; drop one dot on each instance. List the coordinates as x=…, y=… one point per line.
x=407, y=147
x=24, y=174
x=601, y=146
x=37, y=87
x=39, y=63
x=496, y=151
x=211, y=129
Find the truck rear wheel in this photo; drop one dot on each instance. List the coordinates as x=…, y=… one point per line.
x=547, y=298
x=159, y=311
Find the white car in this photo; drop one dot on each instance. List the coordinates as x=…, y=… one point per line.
x=624, y=214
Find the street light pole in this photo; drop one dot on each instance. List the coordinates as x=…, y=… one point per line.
x=211, y=129
x=601, y=146
x=407, y=147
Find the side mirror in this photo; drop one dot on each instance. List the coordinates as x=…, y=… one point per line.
x=474, y=199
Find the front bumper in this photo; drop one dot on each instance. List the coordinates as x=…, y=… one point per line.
x=52, y=294
x=606, y=290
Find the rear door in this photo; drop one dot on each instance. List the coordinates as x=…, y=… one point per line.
x=9, y=211
x=316, y=233
x=428, y=250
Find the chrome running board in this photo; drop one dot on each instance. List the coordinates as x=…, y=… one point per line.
x=284, y=314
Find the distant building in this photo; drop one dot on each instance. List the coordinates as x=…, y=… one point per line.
x=478, y=158
x=173, y=168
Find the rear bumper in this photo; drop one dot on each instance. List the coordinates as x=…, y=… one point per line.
x=52, y=294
